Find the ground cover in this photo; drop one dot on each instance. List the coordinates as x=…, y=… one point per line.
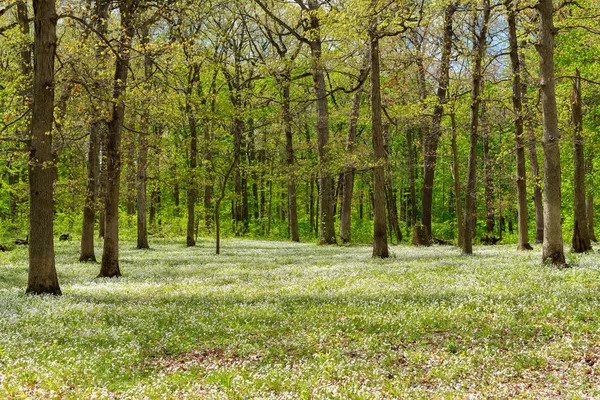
x=282, y=320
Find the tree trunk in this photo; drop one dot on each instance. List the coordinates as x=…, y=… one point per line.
x=25, y=66
x=327, y=231
x=42, y=277
x=380, y=246
x=487, y=167
x=110, y=257
x=432, y=137
x=238, y=217
x=392, y=209
x=581, y=238
x=348, y=176
x=289, y=157
x=89, y=211
x=455, y=172
x=519, y=141
x=533, y=159
x=471, y=191
x=553, y=248
x=411, y=178
x=191, y=190
x=142, y=165
x=93, y=162
x=590, y=201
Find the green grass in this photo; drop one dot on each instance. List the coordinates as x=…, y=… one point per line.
x=280, y=320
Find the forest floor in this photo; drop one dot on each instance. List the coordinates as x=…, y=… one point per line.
x=281, y=320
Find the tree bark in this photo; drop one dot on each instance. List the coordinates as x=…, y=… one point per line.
x=348, y=176
x=487, y=168
x=327, y=229
x=110, y=256
x=533, y=159
x=25, y=66
x=89, y=211
x=432, y=137
x=289, y=157
x=42, y=277
x=191, y=190
x=590, y=201
x=392, y=208
x=142, y=165
x=553, y=248
x=581, y=239
x=455, y=172
x=519, y=141
x=87, y=252
x=380, y=246
x=471, y=191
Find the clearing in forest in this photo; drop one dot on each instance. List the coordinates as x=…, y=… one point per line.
x=281, y=320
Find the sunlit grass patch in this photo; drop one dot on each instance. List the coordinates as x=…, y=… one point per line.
x=286, y=320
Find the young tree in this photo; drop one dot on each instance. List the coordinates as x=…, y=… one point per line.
x=42, y=164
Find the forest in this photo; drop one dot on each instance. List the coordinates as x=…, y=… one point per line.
x=348, y=157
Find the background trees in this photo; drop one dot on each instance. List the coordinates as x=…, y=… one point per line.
x=276, y=88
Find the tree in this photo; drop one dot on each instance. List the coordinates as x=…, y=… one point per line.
x=110, y=257
x=348, y=185
x=142, y=161
x=471, y=190
x=380, y=247
x=581, y=239
x=553, y=249
x=519, y=133
x=42, y=168
x=432, y=137
x=87, y=252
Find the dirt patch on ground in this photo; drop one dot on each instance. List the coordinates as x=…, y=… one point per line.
x=207, y=359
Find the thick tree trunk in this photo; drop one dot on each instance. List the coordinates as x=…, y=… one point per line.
x=42, y=277
x=432, y=137
x=348, y=176
x=553, y=247
x=581, y=238
x=517, y=101
x=110, y=256
x=471, y=191
x=380, y=246
x=456, y=175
